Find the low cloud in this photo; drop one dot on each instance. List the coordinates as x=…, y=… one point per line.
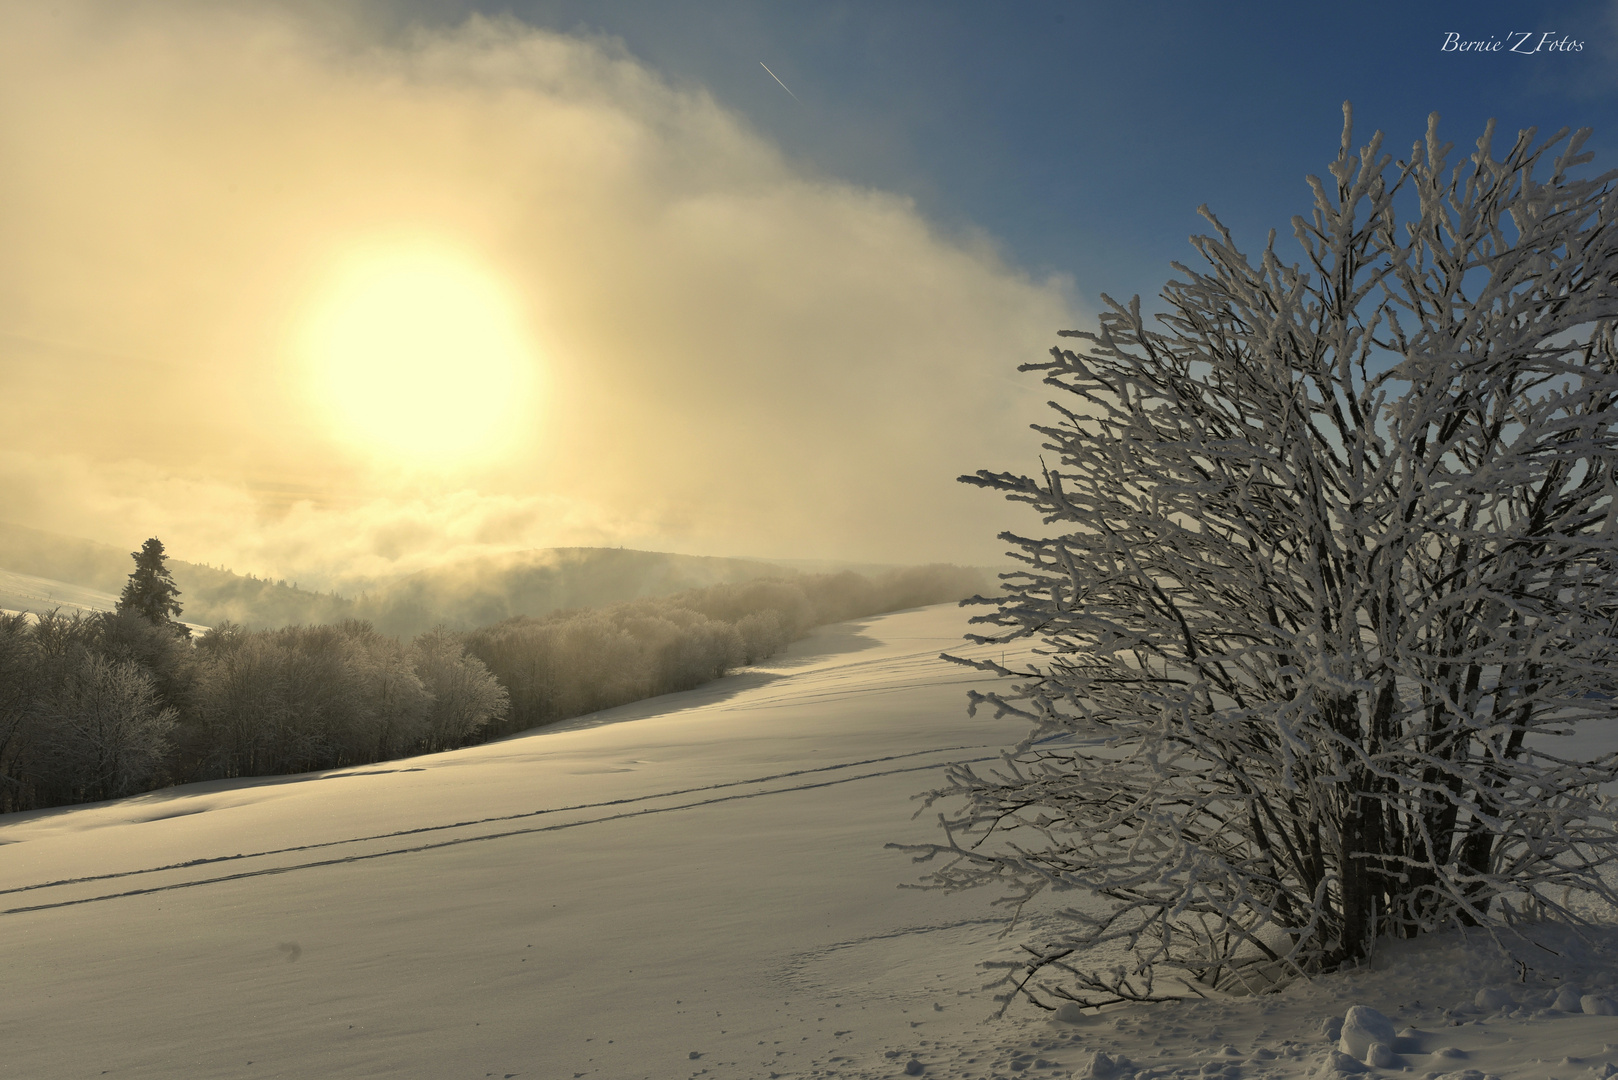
x=323, y=542
x=737, y=356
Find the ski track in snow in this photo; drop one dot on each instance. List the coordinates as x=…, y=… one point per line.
x=948, y=753
x=685, y=887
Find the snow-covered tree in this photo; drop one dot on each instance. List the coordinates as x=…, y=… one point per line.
x=465, y=696
x=150, y=591
x=19, y=689
x=1330, y=561
x=105, y=731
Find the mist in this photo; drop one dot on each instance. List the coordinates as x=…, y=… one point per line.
x=727, y=351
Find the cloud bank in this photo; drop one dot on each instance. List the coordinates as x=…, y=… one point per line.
x=735, y=354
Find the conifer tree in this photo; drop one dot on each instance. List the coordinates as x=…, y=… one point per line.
x=150, y=591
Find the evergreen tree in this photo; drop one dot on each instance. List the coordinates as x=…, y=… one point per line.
x=151, y=592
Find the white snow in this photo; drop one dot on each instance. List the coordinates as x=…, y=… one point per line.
x=1364, y=1029
x=691, y=886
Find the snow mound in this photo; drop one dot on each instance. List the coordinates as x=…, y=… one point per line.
x=1364, y=1029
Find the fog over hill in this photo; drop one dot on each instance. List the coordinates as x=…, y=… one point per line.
x=26, y=592
x=462, y=594
x=210, y=594
x=480, y=591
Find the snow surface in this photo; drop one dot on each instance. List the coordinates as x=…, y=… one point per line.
x=694, y=886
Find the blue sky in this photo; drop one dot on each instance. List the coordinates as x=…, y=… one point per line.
x=1083, y=136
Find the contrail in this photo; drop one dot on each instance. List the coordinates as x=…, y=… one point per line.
x=777, y=78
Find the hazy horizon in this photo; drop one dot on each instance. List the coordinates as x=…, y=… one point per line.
x=317, y=303
x=25, y=547
x=353, y=289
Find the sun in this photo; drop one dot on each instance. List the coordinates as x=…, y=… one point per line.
x=420, y=354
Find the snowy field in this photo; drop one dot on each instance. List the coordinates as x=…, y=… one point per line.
x=694, y=886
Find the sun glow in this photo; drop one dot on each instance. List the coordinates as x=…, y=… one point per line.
x=420, y=354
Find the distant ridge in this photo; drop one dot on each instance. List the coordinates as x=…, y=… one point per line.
x=26, y=592
x=65, y=558
x=209, y=595
x=463, y=595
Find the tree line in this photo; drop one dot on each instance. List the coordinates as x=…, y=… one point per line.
x=569, y=663
x=97, y=706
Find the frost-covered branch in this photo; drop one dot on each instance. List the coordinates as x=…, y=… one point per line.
x=1330, y=564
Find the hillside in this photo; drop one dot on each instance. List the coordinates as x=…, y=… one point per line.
x=465, y=594
x=209, y=594
x=477, y=592
x=24, y=592
x=695, y=886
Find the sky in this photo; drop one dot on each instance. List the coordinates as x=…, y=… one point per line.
x=339, y=290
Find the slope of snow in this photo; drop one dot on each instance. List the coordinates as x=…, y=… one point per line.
x=24, y=592
x=27, y=593
x=694, y=886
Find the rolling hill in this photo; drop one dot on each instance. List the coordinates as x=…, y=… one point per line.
x=462, y=595
x=209, y=594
